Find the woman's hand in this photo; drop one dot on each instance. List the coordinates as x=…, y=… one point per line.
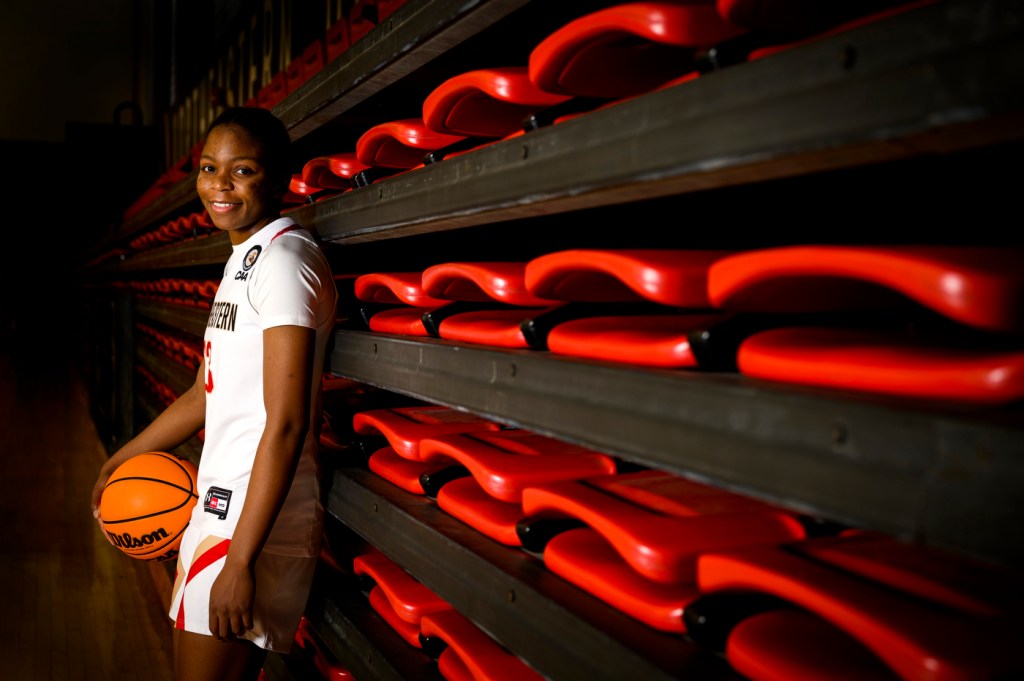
x=97, y=494
x=231, y=599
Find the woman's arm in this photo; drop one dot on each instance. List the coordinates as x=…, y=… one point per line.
x=288, y=353
x=172, y=428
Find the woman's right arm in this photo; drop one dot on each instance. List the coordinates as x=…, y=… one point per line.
x=172, y=428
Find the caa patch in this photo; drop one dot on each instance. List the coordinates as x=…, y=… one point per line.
x=250, y=257
x=216, y=501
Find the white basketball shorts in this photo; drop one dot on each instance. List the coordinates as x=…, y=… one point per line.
x=282, y=588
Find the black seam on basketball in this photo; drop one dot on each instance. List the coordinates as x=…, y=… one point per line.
x=149, y=479
x=152, y=515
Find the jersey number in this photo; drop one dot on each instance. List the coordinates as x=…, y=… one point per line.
x=209, y=372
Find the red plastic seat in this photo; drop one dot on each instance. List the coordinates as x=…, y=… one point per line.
x=964, y=302
x=505, y=462
x=299, y=191
x=407, y=598
x=337, y=39
x=395, y=288
x=662, y=341
x=940, y=576
x=294, y=74
x=488, y=103
x=584, y=558
x=627, y=49
x=400, y=144
x=669, y=277
x=464, y=499
x=403, y=472
x=501, y=328
x=362, y=19
x=389, y=289
x=915, y=636
x=795, y=645
x=502, y=464
x=274, y=92
x=502, y=282
x=333, y=171
x=498, y=303
x=982, y=287
x=325, y=663
x=628, y=333
x=312, y=59
x=885, y=362
x=404, y=321
x=471, y=653
x=659, y=545
x=404, y=427
x=638, y=527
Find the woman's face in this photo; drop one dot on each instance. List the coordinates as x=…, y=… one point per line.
x=233, y=184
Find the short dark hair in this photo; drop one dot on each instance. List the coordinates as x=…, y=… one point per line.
x=269, y=132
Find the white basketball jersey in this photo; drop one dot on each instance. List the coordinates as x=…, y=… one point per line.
x=279, y=276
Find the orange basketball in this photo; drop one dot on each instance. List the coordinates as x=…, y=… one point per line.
x=147, y=503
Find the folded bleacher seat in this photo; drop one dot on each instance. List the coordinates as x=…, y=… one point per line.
x=626, y=50
x=957, y=334
x=406, y=473
x=501, y=465
x=304, y=66
x=309, y=646
x=645, y=307
x=395, y=302
x=399, y=145
x=398, y=597
x=643, y=533
x=490, y=302
x=470, y=653
x=878, y=601
x=333, y=173
x=484, y=105
x=404, y=427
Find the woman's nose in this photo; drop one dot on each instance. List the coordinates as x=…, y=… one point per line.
x=221, y=181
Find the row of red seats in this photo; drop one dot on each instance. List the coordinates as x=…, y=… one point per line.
x=178, y=291
x=190, y=226
x=923, y=322
x=778, y=596
x=164, y=393
x=594, y=61
x=183, y=350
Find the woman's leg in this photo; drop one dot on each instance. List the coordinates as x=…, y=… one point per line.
x=198, y=657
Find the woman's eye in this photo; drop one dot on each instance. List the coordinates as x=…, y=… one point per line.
x=245, y=171
x=206, y=168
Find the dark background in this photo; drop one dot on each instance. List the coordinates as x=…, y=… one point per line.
x=82, y=86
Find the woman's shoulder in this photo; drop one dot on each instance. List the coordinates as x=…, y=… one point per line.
x=292, y=242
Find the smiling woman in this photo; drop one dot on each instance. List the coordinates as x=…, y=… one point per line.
x=252, y=545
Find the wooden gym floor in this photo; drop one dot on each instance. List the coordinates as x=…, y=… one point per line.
x=73, y=606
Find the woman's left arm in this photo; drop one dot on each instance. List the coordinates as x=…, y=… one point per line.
x=288, y=353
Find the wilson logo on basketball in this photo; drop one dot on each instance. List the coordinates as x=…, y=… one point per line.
x=127, y=541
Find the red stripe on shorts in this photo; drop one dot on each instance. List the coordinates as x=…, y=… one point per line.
x=210, y=556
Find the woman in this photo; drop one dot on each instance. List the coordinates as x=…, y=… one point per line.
x=246, y=561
